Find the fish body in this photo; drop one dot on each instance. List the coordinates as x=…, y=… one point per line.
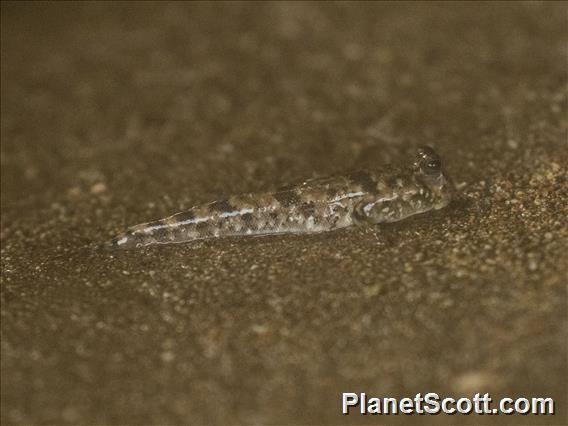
x=388, y=194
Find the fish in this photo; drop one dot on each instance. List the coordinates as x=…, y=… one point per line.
x=387, y=194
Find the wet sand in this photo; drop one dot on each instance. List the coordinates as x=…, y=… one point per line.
x=114, y=115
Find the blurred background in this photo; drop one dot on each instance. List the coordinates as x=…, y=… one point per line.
x=119, y=113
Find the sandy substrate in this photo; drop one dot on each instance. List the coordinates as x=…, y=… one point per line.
x=118, y=114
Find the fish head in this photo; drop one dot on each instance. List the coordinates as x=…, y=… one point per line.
x=429, y=170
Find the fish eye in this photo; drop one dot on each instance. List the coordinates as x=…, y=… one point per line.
x=428, y=162
x=434, y=164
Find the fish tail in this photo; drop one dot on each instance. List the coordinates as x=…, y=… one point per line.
x=181, y=227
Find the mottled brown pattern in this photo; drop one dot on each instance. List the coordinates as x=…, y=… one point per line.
x=221, y=206
x=308, y=209
x=387, y=194
x=287, y=198
x=181, y=217
x=365, y=179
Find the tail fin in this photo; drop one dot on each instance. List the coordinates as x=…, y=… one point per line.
x=126, y=240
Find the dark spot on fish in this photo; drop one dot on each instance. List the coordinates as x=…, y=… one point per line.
x=365, y=179
x=392, y=182
x=248, y=220
x=287, y=198
x=358, y=214
x=307, y=209
x=161, y=234
x=331, y=192
x=247, y=217
x=202, y=227
x=275, y=219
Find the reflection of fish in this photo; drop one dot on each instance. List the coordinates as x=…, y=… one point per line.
x=322, y=204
